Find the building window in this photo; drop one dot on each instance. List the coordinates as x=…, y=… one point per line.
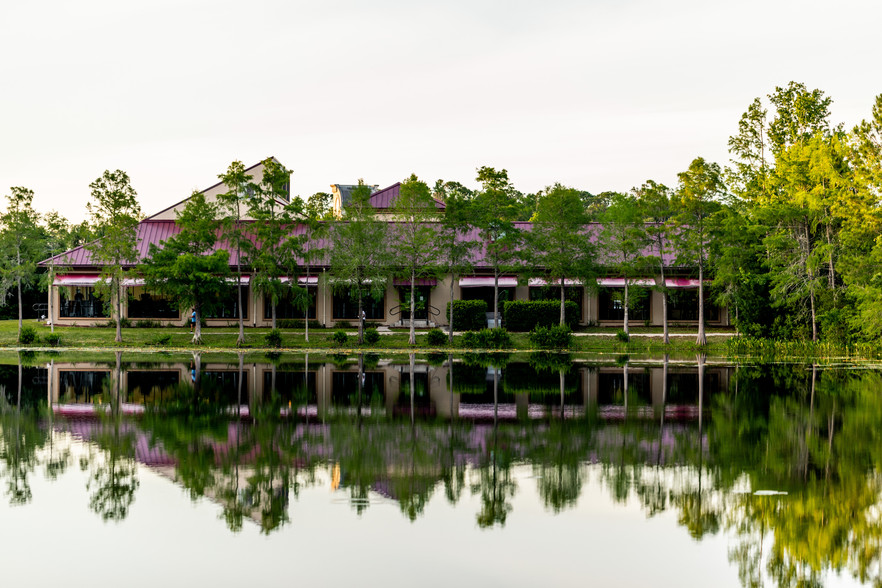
x=611, y=304
x=80, y=302
x=227, y=306
x=286, y=310
x=346, y=306
x=683, y=306
x=146, y=304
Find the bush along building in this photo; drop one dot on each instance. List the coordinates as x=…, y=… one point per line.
x=496, y=267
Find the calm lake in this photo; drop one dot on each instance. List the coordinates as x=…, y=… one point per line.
x=493, y=470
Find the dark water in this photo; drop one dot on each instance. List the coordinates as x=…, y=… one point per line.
x=476, y=471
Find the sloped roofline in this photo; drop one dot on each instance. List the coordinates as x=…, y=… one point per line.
x=176, y=204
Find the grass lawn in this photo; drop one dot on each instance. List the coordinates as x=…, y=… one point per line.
x=224, y=338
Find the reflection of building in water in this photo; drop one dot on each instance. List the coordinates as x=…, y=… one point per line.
x=383, y=388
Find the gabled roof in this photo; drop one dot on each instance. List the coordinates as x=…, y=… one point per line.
x=385, y=199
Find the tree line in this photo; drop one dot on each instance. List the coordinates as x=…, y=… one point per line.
x=788, y=236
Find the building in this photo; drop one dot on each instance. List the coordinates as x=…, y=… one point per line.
x=74, y=301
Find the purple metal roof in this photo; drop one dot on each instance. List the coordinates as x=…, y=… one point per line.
x=385, y=199
x=154, y=232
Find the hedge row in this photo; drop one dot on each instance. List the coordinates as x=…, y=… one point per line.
x=468, y=315
x=523, y=315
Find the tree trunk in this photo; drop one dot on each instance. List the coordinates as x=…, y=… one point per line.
x=702, y=338
x=814, y=318
x=18, y=285
x=412, y=339
x=563, y=306
x=625, y=306
x=308, y=300
x=360, y=320
x=49, y=306
x=117, y=297
x=495, y=298
x=241, y=340
x=665, y=336
x=412, y=388
x=450, y=313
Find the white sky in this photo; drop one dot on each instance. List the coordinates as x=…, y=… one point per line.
x=600, y=95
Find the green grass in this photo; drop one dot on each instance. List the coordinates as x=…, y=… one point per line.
x=224, y=338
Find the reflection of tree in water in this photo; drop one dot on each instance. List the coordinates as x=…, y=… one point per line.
x=21, y=438
x=113, y=475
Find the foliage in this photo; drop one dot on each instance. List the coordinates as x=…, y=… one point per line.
x=622, y=336
x=340, y=337
x=436, y=338
x=28, y=335
x=359, y=253
x=115, y=214
x=553, y=337
x=187, y=267
x=20, y=244
x=524, y=315
x=53, y=340
x=273, y=338
x=487, y=339
x=468, y=315
x=371, y=336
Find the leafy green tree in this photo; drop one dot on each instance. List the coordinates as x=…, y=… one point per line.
x=270, y=254
x=309, y=243
x=625, y=239
x=21, y=243
x=115, y=215
x=232, y=205
x=320, y=206
x=695, y=202
x=60, y=236
x=561, y=248
x=455, y=249
x=414, y=234
x=654, y=200
x=187, y=267
x=495, y=209
x=359, y=253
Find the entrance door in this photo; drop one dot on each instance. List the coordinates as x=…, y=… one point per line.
x=421, y=312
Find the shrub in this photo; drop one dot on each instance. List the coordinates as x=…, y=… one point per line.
x=436, y=338
x=340, y=337
x=622, y=336
x=524, y=315
x=556, y=337
x=371, y=335
x=161, y=340
x=468, y=315
x=298, y=324
x=28, y=335
x=273, y=338
x=487, y=339
x=147, y=324
x=53, y=339
x=123, y=323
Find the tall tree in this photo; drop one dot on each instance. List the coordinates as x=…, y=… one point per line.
x=654, y=200
x=233, y=204
x=21, y=243
x=115, y=214
x=625, y=239
x=415, y=235
x=313, y=231
x=60, y=237
x=267, y=253
x=187, y=267
x=696, y=200
x=496, y=208
x=561, y=248
x=455, y=249
x=359, y=253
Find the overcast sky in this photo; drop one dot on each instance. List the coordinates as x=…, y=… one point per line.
x=599, y=95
